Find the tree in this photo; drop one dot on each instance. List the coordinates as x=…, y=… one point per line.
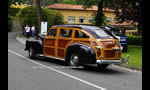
x=99, y=13
x=9, y=3
x=99, y=16
x=69, y=1
x=39, y=14
x=128, y=10
x=28, y=16
x=131, y=10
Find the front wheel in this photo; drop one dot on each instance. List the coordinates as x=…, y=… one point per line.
x=102, y=66
x=32, y=53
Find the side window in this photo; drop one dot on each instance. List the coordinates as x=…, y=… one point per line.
x=65, y=33
x=80, y=34
x=52, y=33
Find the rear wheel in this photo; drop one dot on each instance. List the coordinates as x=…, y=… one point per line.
x=32, y=53
x=74, y=60
x=102, y=66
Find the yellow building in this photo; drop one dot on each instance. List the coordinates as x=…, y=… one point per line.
x=76, y=14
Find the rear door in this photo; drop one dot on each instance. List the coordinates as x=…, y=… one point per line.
x=64, y=39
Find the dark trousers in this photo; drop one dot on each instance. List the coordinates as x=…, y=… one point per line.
x=28, y=34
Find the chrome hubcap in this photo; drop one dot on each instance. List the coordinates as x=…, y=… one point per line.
x=30, y=52
x=74, y=60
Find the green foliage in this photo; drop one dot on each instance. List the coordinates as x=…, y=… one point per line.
x=9, y=23
x=104, y=19
x=135, y=59
x=99, y=15
x=70, y=2
x=29, y=16
x=135, y=40
x=13, y=11
x=9, y=3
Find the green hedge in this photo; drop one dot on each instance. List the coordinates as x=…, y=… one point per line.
x=9, y=23
x=29, y=16
x=134, y=40
x=13, y=11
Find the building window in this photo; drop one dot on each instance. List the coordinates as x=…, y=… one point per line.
x=71, y=19
x=109, y=19
x=91, y=19
x=116, y=20
x=81, y=19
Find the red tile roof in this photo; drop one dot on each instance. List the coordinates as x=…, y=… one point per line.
x=124, y=23
x=76, y=7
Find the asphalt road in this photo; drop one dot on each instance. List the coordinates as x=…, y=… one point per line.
x=51, y=74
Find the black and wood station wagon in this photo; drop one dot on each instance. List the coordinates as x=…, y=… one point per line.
x=78, y=45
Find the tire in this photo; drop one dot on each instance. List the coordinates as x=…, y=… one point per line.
x=102, y=66
x=32, y=53
x=74, y=59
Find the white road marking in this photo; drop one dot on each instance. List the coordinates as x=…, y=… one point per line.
x=60, y=72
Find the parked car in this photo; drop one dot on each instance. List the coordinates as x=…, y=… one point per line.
x=78, y=45
x=120, y=35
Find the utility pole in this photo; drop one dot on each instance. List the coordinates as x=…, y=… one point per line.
x=39, y=14
x=33, y=3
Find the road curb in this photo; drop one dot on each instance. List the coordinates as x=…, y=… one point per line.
x=20, y=39
x=130, y=68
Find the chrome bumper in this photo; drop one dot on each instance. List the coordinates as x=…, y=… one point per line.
x=120, y=61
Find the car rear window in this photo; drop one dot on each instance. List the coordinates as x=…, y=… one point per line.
x=101, y=34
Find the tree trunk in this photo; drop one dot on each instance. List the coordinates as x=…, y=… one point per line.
x=99, y=13
x=33, y=3
x=39, y=14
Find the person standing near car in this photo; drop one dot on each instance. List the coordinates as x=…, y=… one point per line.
x=27, y=31
x=33, y=31
x=24, y=30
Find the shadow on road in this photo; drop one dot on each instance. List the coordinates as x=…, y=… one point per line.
x=95, y=69
x=87, y=68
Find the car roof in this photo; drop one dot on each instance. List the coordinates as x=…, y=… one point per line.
x=88, y=28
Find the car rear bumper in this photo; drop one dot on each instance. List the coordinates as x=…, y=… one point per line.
x=108, y=61
x=120, y=61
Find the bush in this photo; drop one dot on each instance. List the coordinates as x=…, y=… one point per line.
x=13, y=11
x=29, y=16
x=135, y=40
x=9, y=23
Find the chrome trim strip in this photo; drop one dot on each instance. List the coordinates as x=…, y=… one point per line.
x=42, y=55
x=55, y=58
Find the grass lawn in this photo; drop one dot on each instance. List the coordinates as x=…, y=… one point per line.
x=135, y=56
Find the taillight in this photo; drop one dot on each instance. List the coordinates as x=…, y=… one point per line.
x=108, y=44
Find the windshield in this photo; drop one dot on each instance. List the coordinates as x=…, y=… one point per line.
x=116, y=32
